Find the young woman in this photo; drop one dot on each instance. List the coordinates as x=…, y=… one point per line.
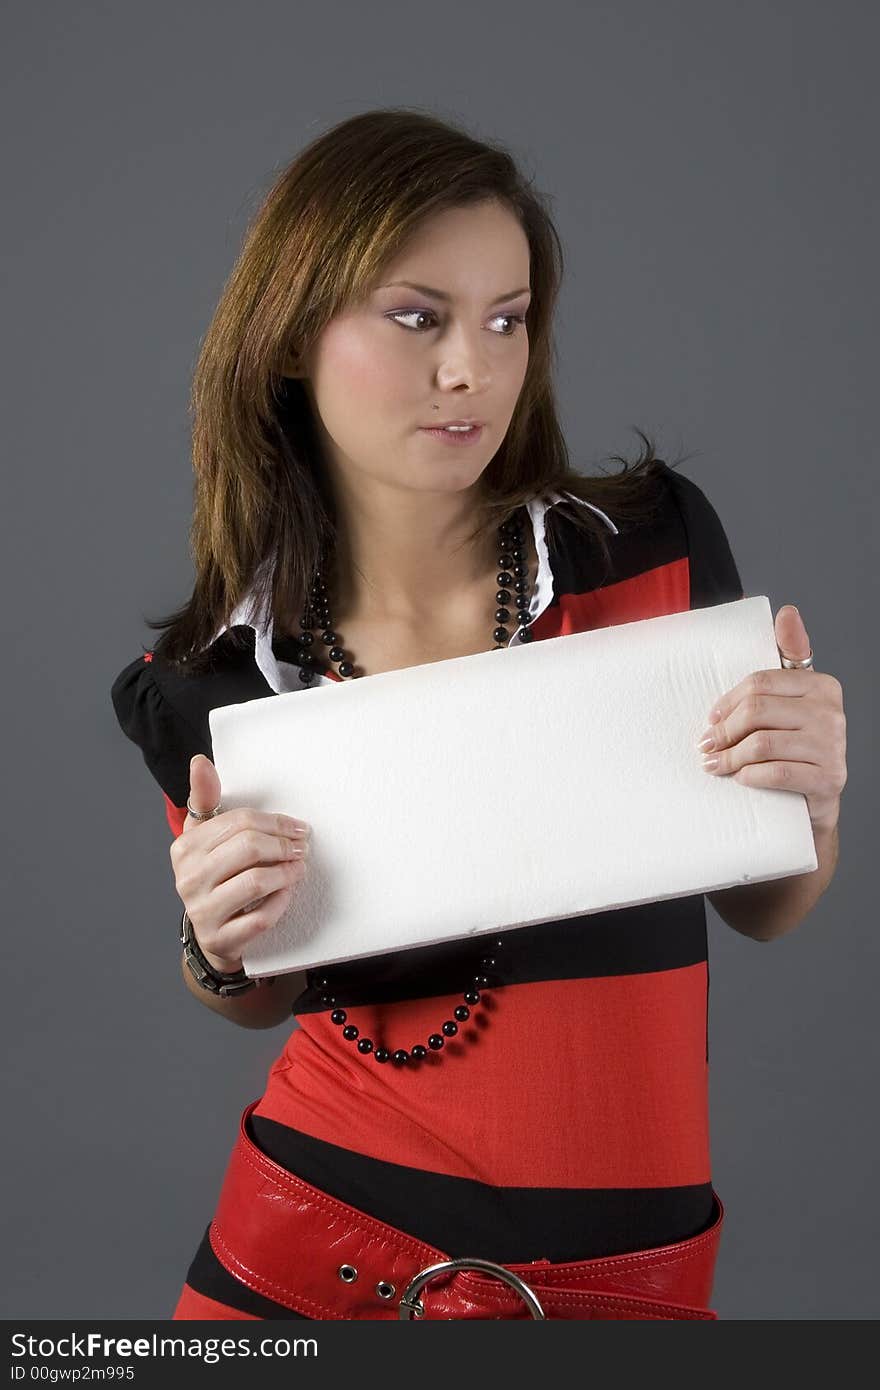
x=538, y=1099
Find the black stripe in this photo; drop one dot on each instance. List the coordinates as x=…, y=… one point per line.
x=714, y=577
x=507, y=1224
x=663, y=935
x=209, y=1277
x=578, y=565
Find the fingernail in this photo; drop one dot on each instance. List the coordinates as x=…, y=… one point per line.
x=295, y=825
x=705, y=744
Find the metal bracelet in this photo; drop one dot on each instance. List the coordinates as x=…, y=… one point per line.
x=214, y=981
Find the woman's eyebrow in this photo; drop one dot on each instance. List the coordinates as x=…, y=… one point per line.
x=440, y=294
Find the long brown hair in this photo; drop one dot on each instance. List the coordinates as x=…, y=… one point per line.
x=330, y=223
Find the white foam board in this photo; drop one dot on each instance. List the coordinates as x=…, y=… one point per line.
x=528, y=784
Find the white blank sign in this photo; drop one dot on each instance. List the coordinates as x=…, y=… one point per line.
x=516, y=786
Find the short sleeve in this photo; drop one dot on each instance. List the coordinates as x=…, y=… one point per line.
x=166, y=739
x=714, y=577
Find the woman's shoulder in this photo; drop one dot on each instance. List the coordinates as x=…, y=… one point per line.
x=164, y=711
x=714, y=576
x=673, y=521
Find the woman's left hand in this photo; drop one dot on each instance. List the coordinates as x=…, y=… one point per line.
x=785, y=728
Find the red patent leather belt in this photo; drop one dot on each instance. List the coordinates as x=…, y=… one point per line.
x=318, y=1256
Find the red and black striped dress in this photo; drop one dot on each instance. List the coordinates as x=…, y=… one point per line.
x=575, y=1123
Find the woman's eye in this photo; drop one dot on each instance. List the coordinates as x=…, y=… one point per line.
x=518, y=319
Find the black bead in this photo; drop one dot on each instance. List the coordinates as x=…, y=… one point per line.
x=338, y=1015
x=505, y=560
x=381, y=1054
x=418, y=1052
x=345, y=668
x=480, y=982
x=336, y=653
x=500, y=634
x=472, y=997
x=502, y=596
x=488, y=963
x=365, y=1045
x=502, y=615
x=322, y=983
x=522, y=601
x=503, y=579
x=526, y=634
x=401, y=1056
x=305, y=675
x=462, y=1012
x=350, y=1033
x=450, y=1028
x=435, y=1041
x=306, y=639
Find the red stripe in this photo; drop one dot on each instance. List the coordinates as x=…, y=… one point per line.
x=597, y=1082
x=175, y=815
x=665, y=589
x=193, y=1306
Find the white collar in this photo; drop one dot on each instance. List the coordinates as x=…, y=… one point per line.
x=283, y=677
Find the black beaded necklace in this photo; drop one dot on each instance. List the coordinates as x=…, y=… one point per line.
x=513, y=571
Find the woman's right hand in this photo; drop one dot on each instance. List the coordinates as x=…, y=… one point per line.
x=234, y=873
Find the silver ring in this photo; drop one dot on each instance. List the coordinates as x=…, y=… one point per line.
x=790, y=665
x=412, y=1307
x=202, y=815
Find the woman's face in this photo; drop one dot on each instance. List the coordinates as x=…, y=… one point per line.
x=377, y=369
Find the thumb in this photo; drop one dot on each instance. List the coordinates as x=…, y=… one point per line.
x=792, y=638
x=204, y=788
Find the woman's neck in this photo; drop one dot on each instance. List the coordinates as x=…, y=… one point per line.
x=410, y=560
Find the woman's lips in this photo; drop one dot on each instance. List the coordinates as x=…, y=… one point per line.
x=455, y=437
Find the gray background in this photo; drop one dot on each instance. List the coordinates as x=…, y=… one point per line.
x=714, y=176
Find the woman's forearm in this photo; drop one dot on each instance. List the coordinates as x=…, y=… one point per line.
x=263, y=1007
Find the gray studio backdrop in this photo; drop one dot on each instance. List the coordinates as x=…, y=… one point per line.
x=713, y=170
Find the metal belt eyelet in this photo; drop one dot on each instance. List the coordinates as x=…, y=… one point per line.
x=412, y=1307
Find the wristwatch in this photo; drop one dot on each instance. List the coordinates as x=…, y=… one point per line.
x=215, y=981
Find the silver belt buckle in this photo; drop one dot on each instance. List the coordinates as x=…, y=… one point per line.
x=411, y=1305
